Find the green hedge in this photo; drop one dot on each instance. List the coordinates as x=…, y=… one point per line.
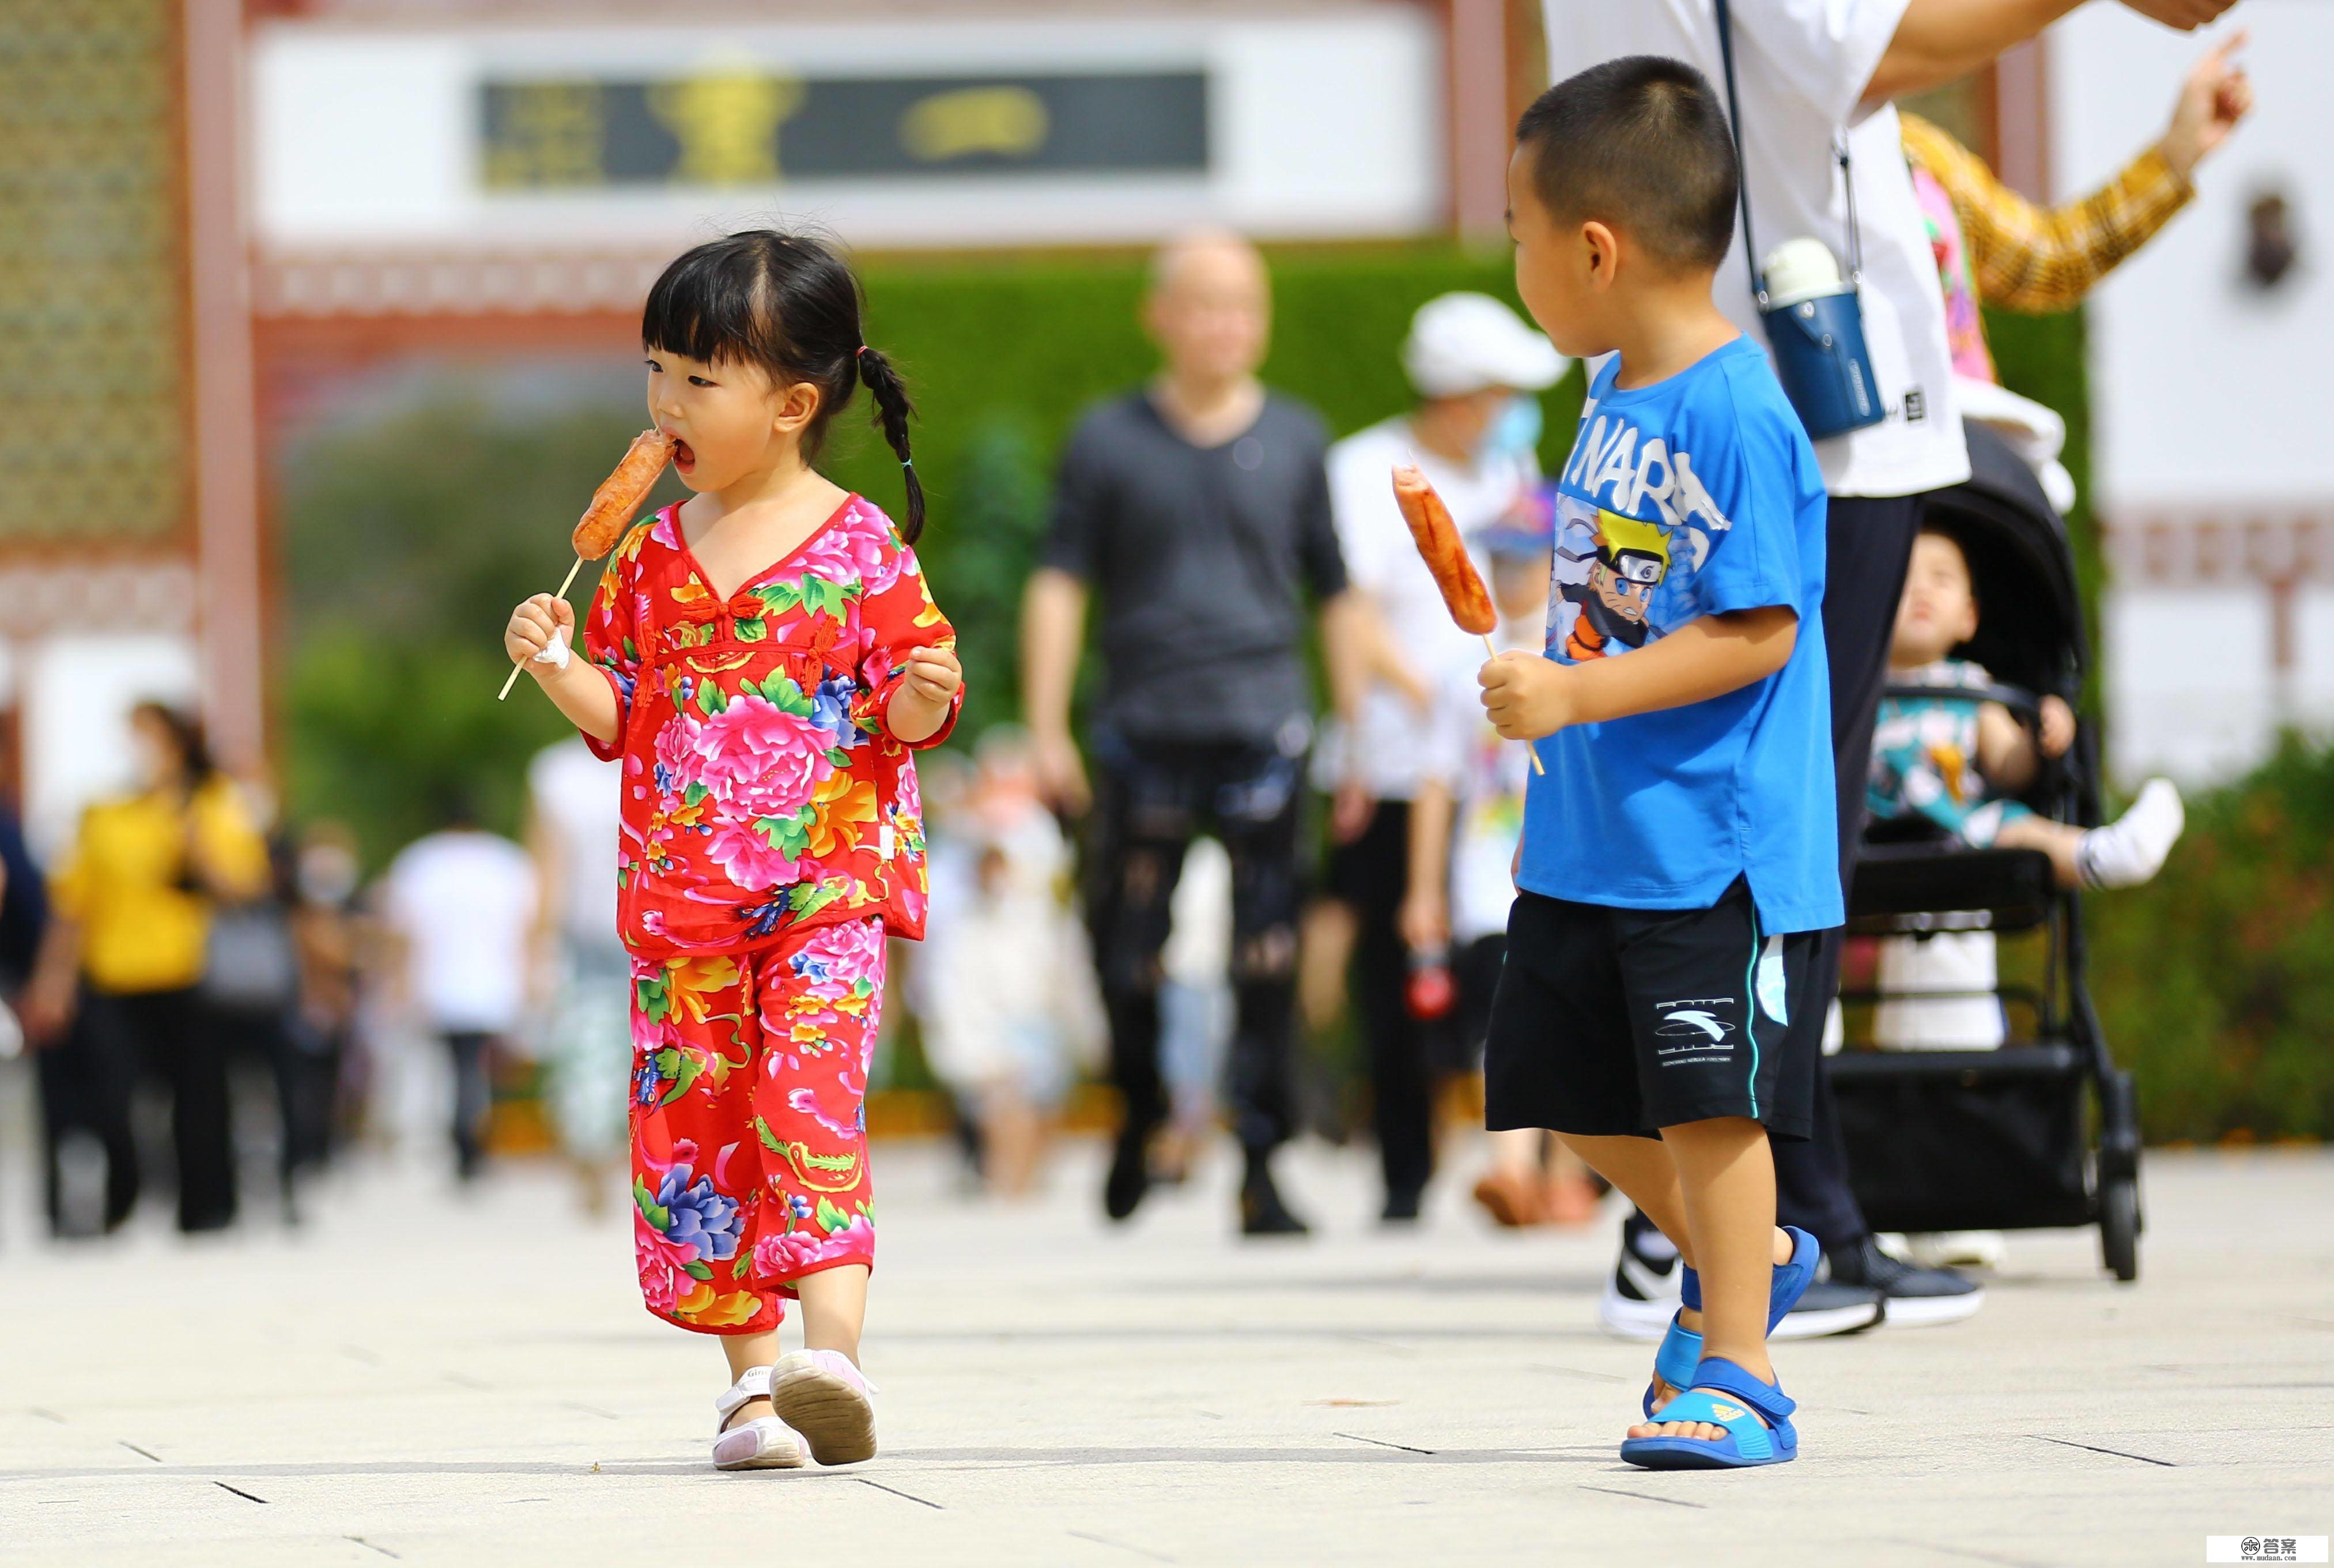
x=2215, y=981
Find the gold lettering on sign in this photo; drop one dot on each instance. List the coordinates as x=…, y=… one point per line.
x=727, y=120
x=1009, y=120
x=550, y=133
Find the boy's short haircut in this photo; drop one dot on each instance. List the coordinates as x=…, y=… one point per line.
x=1642, y=143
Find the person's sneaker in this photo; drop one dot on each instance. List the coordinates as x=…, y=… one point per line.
x=1130, y=1175
x=1642, y=1294
x=1261, y=1211
x=1914, y=1298
x=1952, y=1249
x=1830, y=1307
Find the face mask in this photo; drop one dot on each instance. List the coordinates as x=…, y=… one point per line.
x=1516, y=429
x=328, y=875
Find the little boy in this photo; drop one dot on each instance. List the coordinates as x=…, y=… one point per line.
x=1659, y=1009
x=1959, y=762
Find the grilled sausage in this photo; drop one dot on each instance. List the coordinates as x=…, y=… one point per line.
x=1437, y=538
x=620, y=496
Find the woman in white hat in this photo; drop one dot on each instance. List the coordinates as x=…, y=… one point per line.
x=1475, y=430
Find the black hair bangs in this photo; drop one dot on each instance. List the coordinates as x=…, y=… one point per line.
x=711, y=306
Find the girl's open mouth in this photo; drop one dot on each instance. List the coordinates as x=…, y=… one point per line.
x=683, y=457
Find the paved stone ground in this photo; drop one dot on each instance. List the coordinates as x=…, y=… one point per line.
x=434, y=1381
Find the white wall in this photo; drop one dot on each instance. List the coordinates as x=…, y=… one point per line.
x=1326, y=125
x=2209, y=397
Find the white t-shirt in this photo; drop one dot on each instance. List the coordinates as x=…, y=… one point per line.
x=1801, y=70
x=464, y=901
x=1394, y=746
x=581, y=800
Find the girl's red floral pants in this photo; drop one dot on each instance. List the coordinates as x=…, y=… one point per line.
x=749, y=1129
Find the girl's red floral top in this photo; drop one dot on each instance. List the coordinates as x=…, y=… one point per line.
x=763, y=787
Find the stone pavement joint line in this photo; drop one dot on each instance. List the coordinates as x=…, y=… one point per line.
x=443, y=1379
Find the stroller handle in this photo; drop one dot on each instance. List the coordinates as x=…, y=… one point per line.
x=2016, y=699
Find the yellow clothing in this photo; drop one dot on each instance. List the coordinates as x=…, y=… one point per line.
x=125, y=883
x=2025, y=257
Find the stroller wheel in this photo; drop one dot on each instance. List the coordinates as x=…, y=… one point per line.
x=2119, y=1226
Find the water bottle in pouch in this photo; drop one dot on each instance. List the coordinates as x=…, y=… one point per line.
x=1814, y=325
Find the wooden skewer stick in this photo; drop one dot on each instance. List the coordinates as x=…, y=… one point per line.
x=569, y=582
x=1530, y=750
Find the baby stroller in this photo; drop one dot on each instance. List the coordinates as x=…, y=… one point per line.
x=2001, y=1138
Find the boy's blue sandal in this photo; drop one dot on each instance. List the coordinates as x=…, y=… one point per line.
x=1675, y=1362
x=1791, y=1279
x=1722, y=1395
x=1681, y=1349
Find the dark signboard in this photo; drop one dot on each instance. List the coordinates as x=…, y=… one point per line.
x=747, y=127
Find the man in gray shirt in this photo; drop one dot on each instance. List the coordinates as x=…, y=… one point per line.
x=1198, y=509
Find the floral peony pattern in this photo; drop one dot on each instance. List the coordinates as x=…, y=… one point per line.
x=763, y=792
x=762, y=1061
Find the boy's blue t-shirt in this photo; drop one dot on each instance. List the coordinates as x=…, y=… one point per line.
x=1694, y=497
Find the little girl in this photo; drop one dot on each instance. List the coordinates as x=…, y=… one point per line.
x=763, y=657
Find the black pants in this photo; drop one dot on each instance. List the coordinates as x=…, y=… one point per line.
x=1371, y=875
x=1868, y=542
x=87, y=1081
x=472, y=1094
x=1151, y=798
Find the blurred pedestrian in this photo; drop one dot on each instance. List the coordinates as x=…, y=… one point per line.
x=24, y=920
x=1010, y=1015
x=327, y=936
x=1196, y=1010
x=117, y=992
x=462, y=902
x=1196, y=508
x=1475, y=432
x=581, y=975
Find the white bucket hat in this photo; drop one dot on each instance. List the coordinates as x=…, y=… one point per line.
x=1464, y=342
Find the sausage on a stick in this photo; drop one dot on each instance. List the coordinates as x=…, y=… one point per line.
x=1437, y=538
x=602, y=527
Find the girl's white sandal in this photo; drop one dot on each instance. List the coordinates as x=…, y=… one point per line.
x=765, y=1443
x=824, y=1396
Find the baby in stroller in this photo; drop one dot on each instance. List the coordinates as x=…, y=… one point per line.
x=1959, y=764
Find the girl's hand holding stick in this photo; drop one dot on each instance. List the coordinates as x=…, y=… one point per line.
x=1437, y=538
x=540, y=629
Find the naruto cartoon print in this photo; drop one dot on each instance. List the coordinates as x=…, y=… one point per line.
x=1625, y=561
x=1633, y=527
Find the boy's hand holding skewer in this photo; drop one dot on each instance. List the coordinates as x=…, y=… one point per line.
x=1527, y=696
x=1445, y=554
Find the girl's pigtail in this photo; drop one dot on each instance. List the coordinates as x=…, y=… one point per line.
x=892, y=412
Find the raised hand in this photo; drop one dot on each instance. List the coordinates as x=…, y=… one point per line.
x=2216, y=94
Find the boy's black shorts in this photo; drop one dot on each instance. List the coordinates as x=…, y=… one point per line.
x=1617, y=1021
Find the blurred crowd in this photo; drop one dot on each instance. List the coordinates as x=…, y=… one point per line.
x=215, y=1001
